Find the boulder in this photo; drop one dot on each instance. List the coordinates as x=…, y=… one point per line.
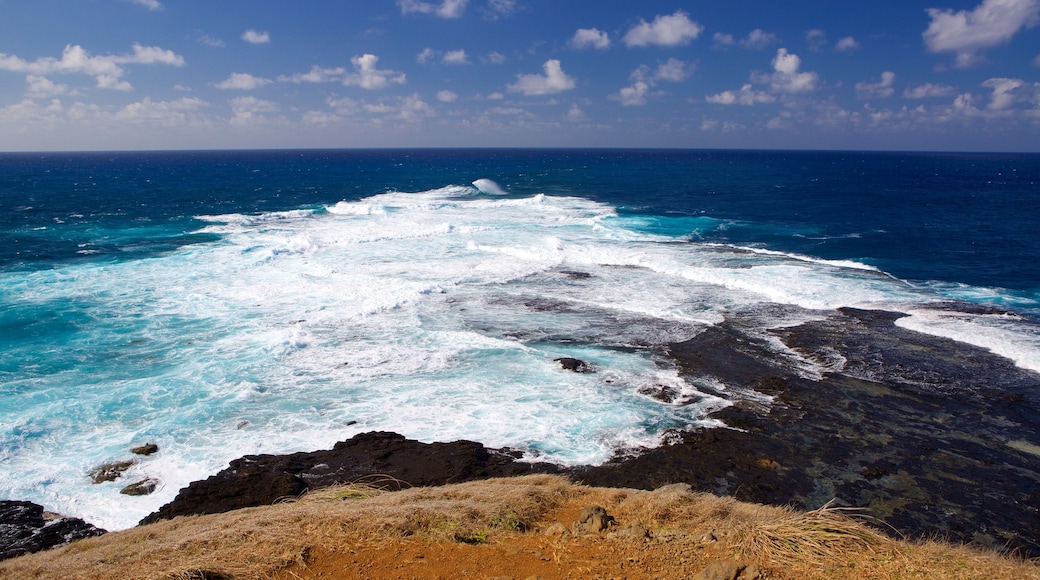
x=384, y=459
x=146, y=449
x=25, y=529
x=110, y=471
x=143, y=487
x=575, y=365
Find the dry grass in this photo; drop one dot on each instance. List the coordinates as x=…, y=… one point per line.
x=293, y=536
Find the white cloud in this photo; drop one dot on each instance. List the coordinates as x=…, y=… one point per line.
x=247, y=110
x=255, y=37
x=494, y=58
x=242, y=82
x=673, y=30
x=426, y=55
x=499, y=8
x=633, y=95
x=317, y=74
x=370, y=77
x=1036, y=61
x=554, y=81
x=816, y=39
x=409, y=109
x=576, y=114
x=590, y=38
x=745, y=96
x=447, y=96
x=723, y=40
x=879, y=90
x=1004, y=93
x=929, y=90
x=210, y=41
x=149, y=4
x=107, y=70
x=673, y=70
x=847, y=44
x=758, y=39
x=162, y=113
x=446, y=9
x=787, y=78
x=990, y=24
x=455, y=57
x=43, y=88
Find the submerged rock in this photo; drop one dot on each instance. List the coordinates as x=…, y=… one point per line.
x=110, y=471
x=575, y=365
x=24, y=529
x=143, y=487
x=146, y=449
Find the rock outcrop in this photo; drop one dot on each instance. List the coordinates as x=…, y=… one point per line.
x=388, y=460
x=25, y=528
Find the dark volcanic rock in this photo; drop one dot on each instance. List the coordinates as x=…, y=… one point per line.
x=146, y=449
x=143, y=487
x=24, y=529
x=385, y=459
x=929, y=436
x=109, y=471
x=574, y=365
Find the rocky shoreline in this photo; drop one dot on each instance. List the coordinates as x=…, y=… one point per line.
x=929, y=436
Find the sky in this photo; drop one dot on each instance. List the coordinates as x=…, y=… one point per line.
x=935, y=75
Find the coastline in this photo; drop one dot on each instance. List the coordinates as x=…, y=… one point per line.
x=926, y=436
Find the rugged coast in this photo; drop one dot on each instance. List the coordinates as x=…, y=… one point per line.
x=927, y=436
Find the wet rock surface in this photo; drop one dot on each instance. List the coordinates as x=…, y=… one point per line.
x=930, y=436
x=25, y=528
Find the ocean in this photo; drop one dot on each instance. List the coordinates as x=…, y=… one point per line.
x=221, y=304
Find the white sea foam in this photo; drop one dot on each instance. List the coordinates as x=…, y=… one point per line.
x=489, y=187
x=434, y=314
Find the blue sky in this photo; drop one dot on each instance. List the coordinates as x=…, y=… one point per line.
x=819, y=74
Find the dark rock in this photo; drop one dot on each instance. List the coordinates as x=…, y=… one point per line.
x=143, y=487
x=24, y=529
x=388, y=460
x=575, y=365
x=109, y=471
x=146, y=449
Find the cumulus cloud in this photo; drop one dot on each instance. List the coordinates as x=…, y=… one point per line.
x=494, y=58
x=426, y=55
x=666, y=30
x=370, y=77
x=499, y=8
x=410, y=109
x=575, y=114
x=847, y=44
x=247, y=110
x=787, y=76
x=43, y=88
x=590, y=38
x=879, y=90
x=242, y=82
x=990, y=24
x=446, y=9
x=149, y=4
x=317, y=74
x=633, y=95
x=722, y=40
x=553, y=81
x=644, y=79
x=929, y=90
x=758, y=39
x=455, y=57
x=1005, y=92
x=163, y=113
x=210, y=41
x=255, y=37
x=107, y=70
x=816, y=39
x=745, y=96
x=447, y=96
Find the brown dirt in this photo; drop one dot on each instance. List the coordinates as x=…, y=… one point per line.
x=507, y=528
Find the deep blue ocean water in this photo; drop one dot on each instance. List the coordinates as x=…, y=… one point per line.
x=224, y=303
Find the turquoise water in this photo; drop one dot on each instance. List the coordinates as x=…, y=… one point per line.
x=221, y=304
